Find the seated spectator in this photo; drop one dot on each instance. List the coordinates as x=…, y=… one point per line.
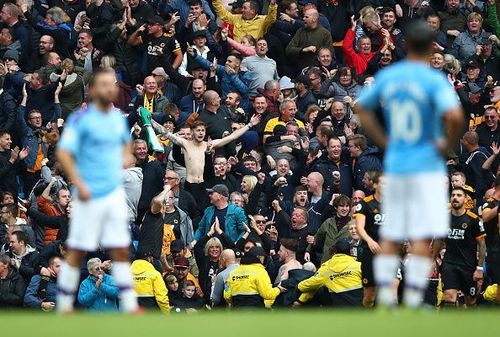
x=23, y=256
x=41, y=291
x=12, y=286
x=98, y=291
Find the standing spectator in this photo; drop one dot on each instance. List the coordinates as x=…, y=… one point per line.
x=261, y=67
x=227, y=263
x=288, y=247
x=98, y=291
x=466, y=42
x=41, y=291
x=308, y=39
x=12, y=286
x=248, y=22
x=10, y=16
x=488, y=132
x=365, y=159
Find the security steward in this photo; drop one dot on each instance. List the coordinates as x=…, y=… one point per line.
x=148, y=283
x=341, y=276
x=249, y=284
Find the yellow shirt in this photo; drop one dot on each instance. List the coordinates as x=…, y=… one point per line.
x=276, y=121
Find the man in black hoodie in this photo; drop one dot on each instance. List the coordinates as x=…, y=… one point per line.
x=12, y=286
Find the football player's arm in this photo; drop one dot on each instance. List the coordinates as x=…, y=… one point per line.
x=481, y=253
x=371, y=125
x=360, y=228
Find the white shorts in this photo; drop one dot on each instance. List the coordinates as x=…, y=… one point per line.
x=101, y=221
x=415, y=207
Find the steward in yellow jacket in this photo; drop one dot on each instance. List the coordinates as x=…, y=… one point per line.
x=149, y=285
x=249, y=284
x=341, y=276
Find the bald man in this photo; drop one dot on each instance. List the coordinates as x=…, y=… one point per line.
x=217, y=121
x=308, y=40
x=228, y=262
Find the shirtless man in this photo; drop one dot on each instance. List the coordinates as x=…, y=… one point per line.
x=194, y=153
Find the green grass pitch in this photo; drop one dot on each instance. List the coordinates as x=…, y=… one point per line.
x=324, y=322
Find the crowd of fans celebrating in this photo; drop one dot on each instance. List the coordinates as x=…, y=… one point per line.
x=265, y=191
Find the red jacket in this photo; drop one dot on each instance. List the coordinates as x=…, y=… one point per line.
x=354, y=59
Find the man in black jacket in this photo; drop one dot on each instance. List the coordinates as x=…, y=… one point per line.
x=8, y=162
x=23, y=256
x=12, y=286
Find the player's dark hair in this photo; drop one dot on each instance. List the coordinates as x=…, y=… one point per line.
x=420, y=38
x=290, y=244
x=99, y=72
x=459, y=189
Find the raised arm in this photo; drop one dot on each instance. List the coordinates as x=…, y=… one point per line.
x=216, y=143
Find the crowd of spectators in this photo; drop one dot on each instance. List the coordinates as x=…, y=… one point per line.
x=263, y=162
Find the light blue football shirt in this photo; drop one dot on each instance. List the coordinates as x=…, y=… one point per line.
x=96, y=141
x=413, y=98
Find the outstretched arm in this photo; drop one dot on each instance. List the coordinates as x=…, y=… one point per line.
x=216, y=143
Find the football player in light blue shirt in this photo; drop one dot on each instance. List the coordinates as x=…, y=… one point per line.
x=423, y=118
x=91, y=151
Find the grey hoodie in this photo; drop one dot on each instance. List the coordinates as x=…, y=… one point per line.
x=132, y=183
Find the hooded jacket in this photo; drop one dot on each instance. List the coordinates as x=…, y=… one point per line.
x=327, y=235
x=27, y=262
x=132, y=183
x=149, y=286
x=341, y=275
x=249, y=285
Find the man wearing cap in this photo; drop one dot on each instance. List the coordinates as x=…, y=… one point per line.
x=249, y=284
x=305, y=97
x=161, y=48
x=182, y=271
x=261, y=67
x=473, y=74
x=248, y=22
x=232, y=219
x=200, y=47
x=179, y=249
x=488, y=61
x=13, y=81
x=341, y=275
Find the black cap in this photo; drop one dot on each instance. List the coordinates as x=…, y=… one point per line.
x=239, y=254
x=199, y=33
x=155, y=19
x=256, y=252
x=176, y=246
x=169, y=118
x=304, y=79
x=485, y=40
x=219, y=188
x=237, y=4
x=472, y=64
x=342, y=247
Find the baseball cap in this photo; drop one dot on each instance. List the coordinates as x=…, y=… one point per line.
x=472, y=64
x=256, y=252
x=286, y=83
x=176, y=246
x=155, y=19
x=169, y=118
x=181, y=262
x=219, y=188
x=199, y=33
x=302, y=79
x=474, y=88
x=159, y=71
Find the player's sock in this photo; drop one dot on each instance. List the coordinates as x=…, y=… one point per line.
x=67, y=284
x=123, y=279
x=385, y=267
x=417, y=272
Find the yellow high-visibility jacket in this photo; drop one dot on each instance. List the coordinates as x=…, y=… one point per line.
x=149, y=286
x=340, y=274
x=249, y=285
